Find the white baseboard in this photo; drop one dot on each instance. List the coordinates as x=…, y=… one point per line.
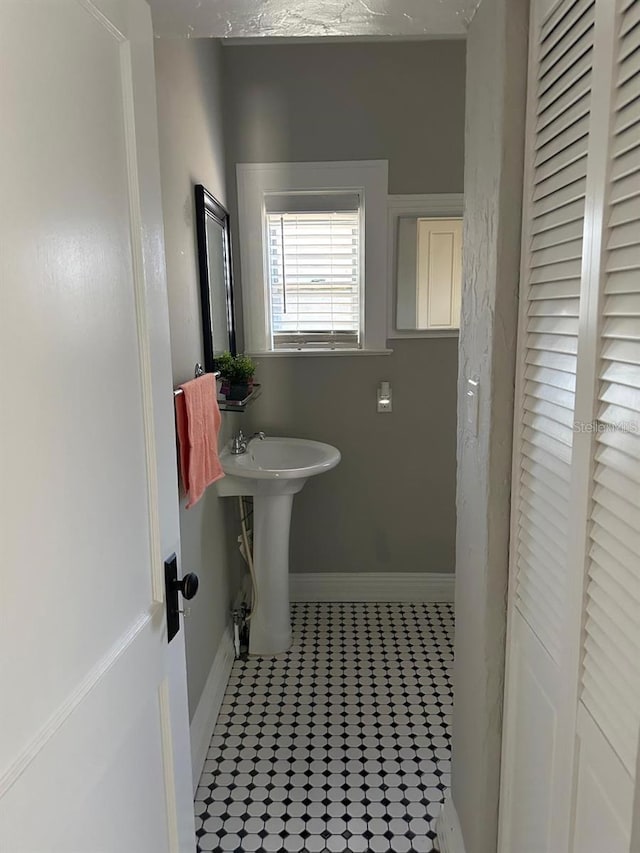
x=372, y=586
x=448, y=828
x=206, y=714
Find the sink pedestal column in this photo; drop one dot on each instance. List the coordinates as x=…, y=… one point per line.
x=270, y=626
x=273, y=471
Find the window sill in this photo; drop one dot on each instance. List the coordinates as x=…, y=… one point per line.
x=417, y=334
x=358, y=353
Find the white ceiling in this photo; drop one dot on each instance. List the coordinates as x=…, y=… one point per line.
x=240, y=19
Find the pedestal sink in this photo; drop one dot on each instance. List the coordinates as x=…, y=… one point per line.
x=273, y=470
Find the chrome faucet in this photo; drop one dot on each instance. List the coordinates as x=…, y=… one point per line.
x=240, y=442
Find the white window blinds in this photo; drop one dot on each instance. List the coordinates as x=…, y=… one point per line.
x=314, y=272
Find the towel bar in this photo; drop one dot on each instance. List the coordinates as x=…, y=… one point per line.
x=198, y=371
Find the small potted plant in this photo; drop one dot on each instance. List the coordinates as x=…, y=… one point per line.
x=237, y=375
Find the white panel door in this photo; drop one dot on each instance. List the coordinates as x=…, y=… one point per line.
x=94, y=736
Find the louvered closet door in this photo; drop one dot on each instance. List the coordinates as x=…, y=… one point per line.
x=551, y=324
x=608, y=722
x=571, y=749
x=534, y=790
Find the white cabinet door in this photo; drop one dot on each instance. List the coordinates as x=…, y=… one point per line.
x=94, y=716
x=439, y=273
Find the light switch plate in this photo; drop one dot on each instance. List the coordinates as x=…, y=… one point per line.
x=472, y=393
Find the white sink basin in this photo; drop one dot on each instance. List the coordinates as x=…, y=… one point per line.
x=273, y=470
x=276, y=459
x=288, y=458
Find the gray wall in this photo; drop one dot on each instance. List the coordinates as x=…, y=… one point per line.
x=192, y=151
x=390, y=504
x=497, y=55
x=401, y=101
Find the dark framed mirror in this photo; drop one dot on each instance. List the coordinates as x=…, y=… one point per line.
x=216, y=278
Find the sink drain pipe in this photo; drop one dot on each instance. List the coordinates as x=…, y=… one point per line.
x=242, y=617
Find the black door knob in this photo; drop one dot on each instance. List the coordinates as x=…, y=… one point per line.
x=188, y=586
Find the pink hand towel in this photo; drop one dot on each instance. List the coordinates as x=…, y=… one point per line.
x=198, y=422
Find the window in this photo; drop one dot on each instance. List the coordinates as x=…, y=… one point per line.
x=314, y=272
x=313, y=256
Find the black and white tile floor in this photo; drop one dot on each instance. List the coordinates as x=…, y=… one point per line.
x=342, y=744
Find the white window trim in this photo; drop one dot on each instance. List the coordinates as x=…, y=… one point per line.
x=367, y=177
x=435, y=205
